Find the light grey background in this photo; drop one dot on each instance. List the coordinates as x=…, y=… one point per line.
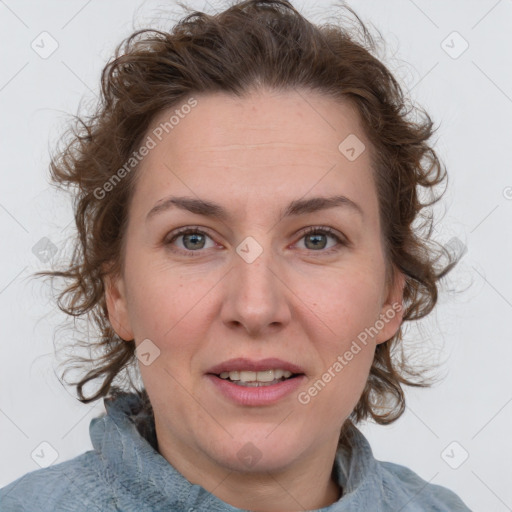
x=469, y=94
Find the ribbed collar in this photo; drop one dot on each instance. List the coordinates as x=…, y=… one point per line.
x=142, y=479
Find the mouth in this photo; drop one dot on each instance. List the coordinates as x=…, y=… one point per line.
x=251, y=382
x=247, y=372
x=249, y=378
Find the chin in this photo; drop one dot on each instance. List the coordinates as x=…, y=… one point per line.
x=259, y=451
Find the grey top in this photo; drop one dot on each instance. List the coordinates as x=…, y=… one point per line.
x=125, y=472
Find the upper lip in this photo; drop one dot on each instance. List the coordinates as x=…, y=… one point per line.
x=242, y=363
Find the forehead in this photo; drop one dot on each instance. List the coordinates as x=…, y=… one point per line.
x=268, y=143
x=307, y=122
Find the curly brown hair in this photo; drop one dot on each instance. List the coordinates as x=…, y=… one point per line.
x=253, y=42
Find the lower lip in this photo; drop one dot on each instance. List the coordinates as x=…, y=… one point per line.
x=261, y=395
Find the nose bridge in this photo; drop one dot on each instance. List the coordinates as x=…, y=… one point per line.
x=256, y=298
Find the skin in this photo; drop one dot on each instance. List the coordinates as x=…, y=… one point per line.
x=302, y=304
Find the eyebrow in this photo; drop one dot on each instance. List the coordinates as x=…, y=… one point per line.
x=214, y=210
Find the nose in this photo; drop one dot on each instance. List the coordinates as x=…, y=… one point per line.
x=257, y=298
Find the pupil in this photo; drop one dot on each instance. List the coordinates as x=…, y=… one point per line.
x=195, y=238
x=315, y=237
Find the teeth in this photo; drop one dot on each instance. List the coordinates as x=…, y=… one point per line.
x=248, y=376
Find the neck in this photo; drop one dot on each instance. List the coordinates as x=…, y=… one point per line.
x=271, y=493
x=308, y=484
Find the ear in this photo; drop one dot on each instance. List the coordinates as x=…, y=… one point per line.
x=115, y=297
x=392, y=310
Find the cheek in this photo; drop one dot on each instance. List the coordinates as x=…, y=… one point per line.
x=174, y=311
x=344, y=310
x=337, y=387
x=163, y=299
x=341, y=306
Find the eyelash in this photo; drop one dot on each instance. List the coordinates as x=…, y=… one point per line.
x=311, y=230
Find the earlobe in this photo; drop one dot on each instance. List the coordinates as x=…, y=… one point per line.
x=115, y=298
x=392, y=311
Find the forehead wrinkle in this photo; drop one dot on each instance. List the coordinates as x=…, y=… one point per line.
x=313, y=150
x=223, y=147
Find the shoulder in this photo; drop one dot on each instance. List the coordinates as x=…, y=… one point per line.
x=402, y=483
x=75, y=485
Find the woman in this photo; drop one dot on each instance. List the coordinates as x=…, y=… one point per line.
x=245, y=198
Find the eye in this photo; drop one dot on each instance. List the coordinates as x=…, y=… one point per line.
x=193, y=239
x=315, y=236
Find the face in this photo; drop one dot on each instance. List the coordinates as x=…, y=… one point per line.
x=253, y=283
